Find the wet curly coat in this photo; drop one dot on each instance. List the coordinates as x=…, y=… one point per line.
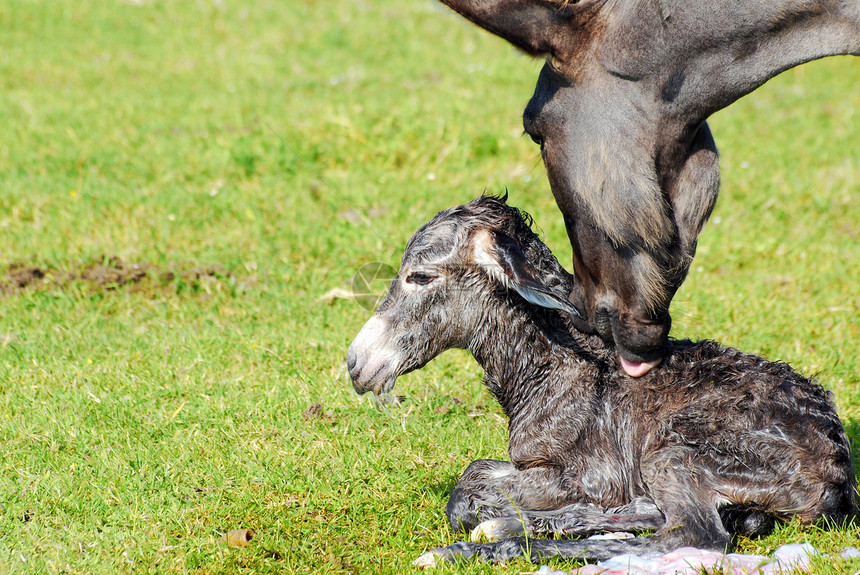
x=714, y=441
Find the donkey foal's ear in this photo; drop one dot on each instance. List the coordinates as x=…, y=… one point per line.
x=523, y=277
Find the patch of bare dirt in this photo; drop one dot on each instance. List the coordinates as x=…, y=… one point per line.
x=112, y=273
x=315, y=412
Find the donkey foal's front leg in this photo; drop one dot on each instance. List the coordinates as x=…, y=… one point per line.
x=491, y=489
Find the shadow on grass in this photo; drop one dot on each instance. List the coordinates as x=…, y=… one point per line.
x=852, y=430
x=442, y=490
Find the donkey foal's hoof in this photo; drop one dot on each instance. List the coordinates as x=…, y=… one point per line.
x=431, y=558
x=442, y=554
x=499, y=528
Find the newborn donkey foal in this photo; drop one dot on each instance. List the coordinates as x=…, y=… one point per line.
x=714, y=441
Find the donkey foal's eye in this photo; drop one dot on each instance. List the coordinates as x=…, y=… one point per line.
x=419, y=278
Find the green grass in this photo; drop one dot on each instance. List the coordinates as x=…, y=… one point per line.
x=289, y=144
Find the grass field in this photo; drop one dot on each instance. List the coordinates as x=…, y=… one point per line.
x=181, y=182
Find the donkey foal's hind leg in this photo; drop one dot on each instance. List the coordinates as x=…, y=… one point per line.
x=574, y=520
x=495, y=501
x=538, y=549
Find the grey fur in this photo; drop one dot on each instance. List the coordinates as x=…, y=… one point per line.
x=619, y=111
x=714, y=441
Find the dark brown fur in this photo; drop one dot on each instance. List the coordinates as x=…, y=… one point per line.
x=713, y=441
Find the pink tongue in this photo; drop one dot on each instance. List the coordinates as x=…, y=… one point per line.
x=637, y=368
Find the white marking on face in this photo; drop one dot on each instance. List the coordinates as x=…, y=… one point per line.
x=375, y=361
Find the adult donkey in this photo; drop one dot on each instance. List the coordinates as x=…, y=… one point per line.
x=619, y=112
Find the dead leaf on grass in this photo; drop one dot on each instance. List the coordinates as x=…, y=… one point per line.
x=238, y=537
x=335, y=294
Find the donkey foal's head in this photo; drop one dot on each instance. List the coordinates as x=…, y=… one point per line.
x=452, y=269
